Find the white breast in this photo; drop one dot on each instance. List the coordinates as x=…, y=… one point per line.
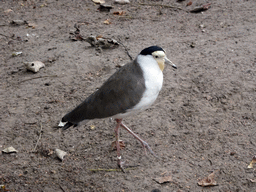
x=153, y=81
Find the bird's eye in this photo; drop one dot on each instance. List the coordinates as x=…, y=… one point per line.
x=156, y=56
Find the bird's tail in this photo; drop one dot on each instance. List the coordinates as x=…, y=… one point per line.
x=65, y=125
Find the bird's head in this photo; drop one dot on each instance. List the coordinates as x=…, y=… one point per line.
x=159, y=55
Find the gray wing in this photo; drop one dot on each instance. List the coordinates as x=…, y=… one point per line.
x=122, y=91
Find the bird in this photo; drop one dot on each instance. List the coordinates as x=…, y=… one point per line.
x=130, y=90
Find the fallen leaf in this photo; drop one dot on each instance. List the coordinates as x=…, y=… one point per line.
x=43, y=5
x=98, y=1
x=32, y=25
x=92, y=127
x=189, y=3
x=250, y=166
x=121, y=144
x=8, y=11
x=208, y=181
x=192, y=45
x=164, y=179
x=201, y=8
x=119, y=12
x=107, y=22
x=14, y=54
x=45, y=150
x=3, y=188
x=99, y=36
x=9, y=150
x=75, y=35
x=101, y=42
x=253, y=180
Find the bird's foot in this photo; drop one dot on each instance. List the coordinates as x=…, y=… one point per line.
x=121, y=144
x=146, y=147
x=144, y=143
x=121, y=164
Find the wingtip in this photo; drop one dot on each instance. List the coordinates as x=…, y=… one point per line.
x=65, y=125
x=62, y=124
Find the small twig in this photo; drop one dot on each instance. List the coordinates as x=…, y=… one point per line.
x=126, y=50
x=38, y=78
x=62, y=188
x=201, y=8
x=5, y=35
x=106, y=170
x=167, y=6
x=112, y=170
x=30, y=123
x=40, y=135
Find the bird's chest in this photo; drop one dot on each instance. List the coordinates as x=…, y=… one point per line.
x=153, y=84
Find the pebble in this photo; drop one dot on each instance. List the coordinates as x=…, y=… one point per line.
x=122, y=2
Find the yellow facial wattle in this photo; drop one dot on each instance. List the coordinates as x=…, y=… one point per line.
x=161, y=64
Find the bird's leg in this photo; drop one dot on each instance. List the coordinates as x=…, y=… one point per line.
x=144, y=143
x=119, y=162
x=121, y=143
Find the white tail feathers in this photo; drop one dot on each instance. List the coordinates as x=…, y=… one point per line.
x=62, y=124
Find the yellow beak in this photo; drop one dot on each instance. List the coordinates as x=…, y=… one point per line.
x=169, y=62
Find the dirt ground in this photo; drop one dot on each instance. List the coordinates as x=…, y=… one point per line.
x=202, y=122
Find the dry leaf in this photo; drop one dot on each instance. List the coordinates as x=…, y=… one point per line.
x=9, y=150
x=208, y=181
x=98, y=1
x=119, y=12
x=32, y=25
x=8, y=11
x=252, y=162
x=101, y=42
x=164, y=179
x=121, y=144
x=99, y=36
x=14, y=54
x=201, y=8
x=253, y=180
x=107, y=22
x=92, y=127
x=43, y=5
x=189, y=3
x=3, y=188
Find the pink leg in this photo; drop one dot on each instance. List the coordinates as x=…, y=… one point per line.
x=144, y=143
x=119, y=162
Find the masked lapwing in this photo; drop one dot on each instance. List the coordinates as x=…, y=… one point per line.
x=131, y=89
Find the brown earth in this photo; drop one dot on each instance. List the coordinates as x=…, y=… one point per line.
x=203, y=120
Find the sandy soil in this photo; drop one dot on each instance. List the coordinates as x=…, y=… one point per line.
x=203, y=121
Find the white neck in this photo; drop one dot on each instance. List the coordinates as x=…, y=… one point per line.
x=153, y=80
x=147, y=62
